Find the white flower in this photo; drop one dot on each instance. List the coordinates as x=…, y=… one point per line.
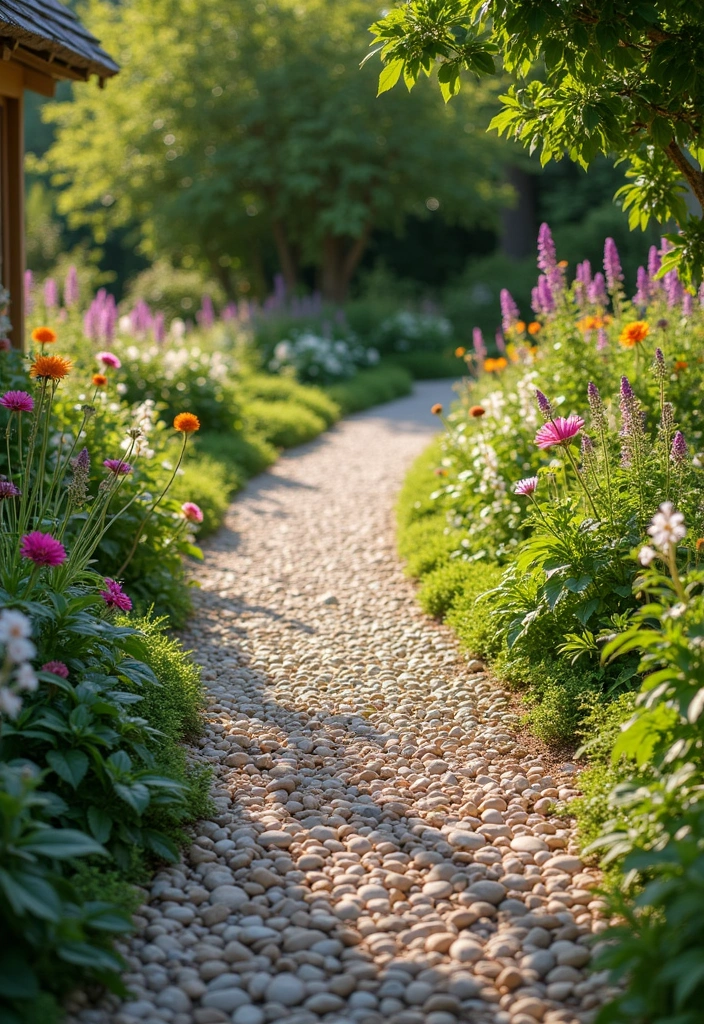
x=646, y=555
x=121, y=388
x=26, y=679
x=13, y=625
x=18, y=649
x=667, y=526
x=10, y=703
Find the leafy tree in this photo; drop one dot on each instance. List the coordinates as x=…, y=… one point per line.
x=621, y=77
x=234, y=127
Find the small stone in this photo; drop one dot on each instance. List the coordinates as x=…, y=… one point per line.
x=466, y=951
x=489, y=892
x=286, y=989
x=229, y=895
x=274, y=838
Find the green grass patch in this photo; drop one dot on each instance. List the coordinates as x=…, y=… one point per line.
x=430, y=365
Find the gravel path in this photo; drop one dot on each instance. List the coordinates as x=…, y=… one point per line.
x=383, y=850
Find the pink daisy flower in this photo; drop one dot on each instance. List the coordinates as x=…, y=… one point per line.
x=559, y=431
x=42, y=549
x=117, y=466
x=57, y=668
x=17, y=401
x=109, y=359
x=115, y=597
x=526, y=486
x=192, y=512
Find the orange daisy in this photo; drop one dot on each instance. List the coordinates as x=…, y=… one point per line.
x=436, y=409
x=460, y=351
x=495, y=365
x=681, y=364
x=100, y=380
x=634, y=334
x=50, y=368
x=44, y=335
x=187, y=423
x=519, y=327
x=534, y=327
x=477, y=411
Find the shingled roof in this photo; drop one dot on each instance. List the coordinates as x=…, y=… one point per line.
x=33, y=31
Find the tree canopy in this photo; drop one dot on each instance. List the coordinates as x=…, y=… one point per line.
x=590, y=77
x=236, y=127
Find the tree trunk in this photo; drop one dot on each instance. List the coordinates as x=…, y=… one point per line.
x=287, y=257
x=341, y=258
x=519, y=226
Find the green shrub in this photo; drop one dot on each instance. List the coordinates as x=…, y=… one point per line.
x=371, y=387
x=212, y=481
x=249, y=450
x=442, y=587
x=426, y=544
x=286, y=389
x=430, y=365
x=284, y=424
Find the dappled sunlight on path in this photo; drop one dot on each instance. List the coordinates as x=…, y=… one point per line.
x=382, y=849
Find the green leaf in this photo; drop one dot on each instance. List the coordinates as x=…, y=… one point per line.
x=60, y=843
x=71, y=765
x=390, y=75
x=17, y=979
x=100, y=823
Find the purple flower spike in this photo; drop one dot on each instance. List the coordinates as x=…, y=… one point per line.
x=587, y=445
x=626, y=389
x=71, y=291
x=612, y=266
x=51, y=293
x=678, y=452
x=653, y=263
x=642, y=295
x=544, y=404
x=478, y=343
x=547, y=256
x=597, y=291
x=673, y=289
x=687, y=304
x=500, y=343
x=602, y=340
x=509, y=310
x=545, y=296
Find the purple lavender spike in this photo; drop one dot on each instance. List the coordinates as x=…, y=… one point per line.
x=544, y=404
x=159, y=328
x=545, y=295
x=673, y=289
x=509, y=310
x=478, y=343
x=612, y=266
x=51, y=293
x=547, y=256
x=602, y=340
x=597, y=290
x=687, y=304
x=500, y=343
x=642, y=295
x=71, y=291
x=653, y=264
x=678, y=451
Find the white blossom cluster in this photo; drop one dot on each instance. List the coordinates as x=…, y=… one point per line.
x=314, y=355
x=16, y=673
x=407, y=330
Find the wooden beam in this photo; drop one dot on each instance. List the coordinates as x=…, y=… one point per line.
x=38, y=82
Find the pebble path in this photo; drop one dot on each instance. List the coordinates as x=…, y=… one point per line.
x=383, y=850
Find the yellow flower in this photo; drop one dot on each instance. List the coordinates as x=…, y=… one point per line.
x=635, y=333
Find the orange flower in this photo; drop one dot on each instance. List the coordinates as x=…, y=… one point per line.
x=700, y=545
x=43, y=335
x=590, y=323
x=459, y=351
x=440, y=472
x=635, y=333
x=495, y=365
x=534, y=327
x=519, y=326
x=50, y=368
x=680, y=364
x=476, y=411
x=100, y=380
x=187, y=423
x=436, y=409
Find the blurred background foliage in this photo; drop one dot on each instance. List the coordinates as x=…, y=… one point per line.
x=240, y=142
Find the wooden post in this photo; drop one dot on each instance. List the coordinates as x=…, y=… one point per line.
x=15, y=247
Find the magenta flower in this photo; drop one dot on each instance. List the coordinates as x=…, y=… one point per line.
x=8, y=490
x=559, y=431
x=109, y=359
x=192, y=512
x=642, y=295
x=115, y=597
x=42, y=549
x=678, y=452
x=117, y=466
x=527, y=485
x=17, y=401
x=57, y=668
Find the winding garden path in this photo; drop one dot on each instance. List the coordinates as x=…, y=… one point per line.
x=383, y=849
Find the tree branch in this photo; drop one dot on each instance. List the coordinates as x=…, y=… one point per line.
x=693, y=177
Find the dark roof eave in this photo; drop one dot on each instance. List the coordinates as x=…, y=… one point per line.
x=47, y=31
